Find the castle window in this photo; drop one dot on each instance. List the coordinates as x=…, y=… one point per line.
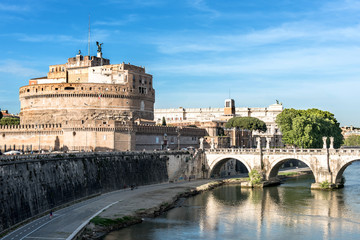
x=133, y=77
x=69, y=88
x=90, y=89
x=142, y=106
x=52, y=69
x=28, y=90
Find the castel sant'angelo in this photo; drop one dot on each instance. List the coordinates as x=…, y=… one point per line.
x=90, y=104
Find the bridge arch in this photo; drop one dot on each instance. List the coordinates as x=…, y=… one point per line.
x=219, y=162
x=274, y=168
x=339, y=174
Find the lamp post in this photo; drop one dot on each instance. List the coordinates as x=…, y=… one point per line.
x=37, y=126
x=178, y=137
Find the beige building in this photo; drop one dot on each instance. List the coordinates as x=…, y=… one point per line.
x=90, y=104
x=217, y=117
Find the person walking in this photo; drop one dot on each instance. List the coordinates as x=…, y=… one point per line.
x=51, y=214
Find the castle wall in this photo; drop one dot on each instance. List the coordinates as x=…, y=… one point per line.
x=96, y=135
x=31, y=186
x=31, y=137
x=49, y=103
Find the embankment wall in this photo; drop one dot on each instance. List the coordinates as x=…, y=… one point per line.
x=34, y=184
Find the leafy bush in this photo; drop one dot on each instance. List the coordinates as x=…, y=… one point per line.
x=255, y=177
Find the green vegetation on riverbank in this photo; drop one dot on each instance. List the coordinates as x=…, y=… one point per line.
x=109, y=222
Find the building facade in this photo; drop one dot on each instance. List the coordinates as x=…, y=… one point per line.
x=88, y=104
x=217, y=117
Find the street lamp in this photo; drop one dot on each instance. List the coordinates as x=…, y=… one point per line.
x=38, y=130
x=178, y=137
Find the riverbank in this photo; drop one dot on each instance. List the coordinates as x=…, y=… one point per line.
x=131, y=210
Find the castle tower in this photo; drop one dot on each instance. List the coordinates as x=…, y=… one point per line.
x=229, y=108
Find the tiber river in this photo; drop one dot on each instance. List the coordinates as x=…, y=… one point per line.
x=289, y=211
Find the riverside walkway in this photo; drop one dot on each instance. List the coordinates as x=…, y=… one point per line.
x=67, y=222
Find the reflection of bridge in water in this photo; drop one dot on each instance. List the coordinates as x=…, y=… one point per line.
x=276, y=207
x=326, y=164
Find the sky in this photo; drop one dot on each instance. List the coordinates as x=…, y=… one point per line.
x=303, y=53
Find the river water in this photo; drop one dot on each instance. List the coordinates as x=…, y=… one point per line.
x=289, y=211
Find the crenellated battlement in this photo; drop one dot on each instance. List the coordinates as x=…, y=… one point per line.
x=54, y=126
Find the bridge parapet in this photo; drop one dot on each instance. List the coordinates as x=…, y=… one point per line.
x=348, y=151
x=265, y=151
x=231, y=150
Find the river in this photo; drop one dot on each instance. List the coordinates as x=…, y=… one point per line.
x=289, y=211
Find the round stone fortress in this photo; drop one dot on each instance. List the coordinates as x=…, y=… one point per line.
x=55, y=103
x=88, y=88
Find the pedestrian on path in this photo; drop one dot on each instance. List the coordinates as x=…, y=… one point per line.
x=51, y=214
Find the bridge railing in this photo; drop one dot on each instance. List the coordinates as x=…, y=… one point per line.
x=271, y=150
x=347, y=150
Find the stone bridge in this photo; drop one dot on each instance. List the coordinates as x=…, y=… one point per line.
x=326, y=164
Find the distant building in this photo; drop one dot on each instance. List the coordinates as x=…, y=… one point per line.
x=212, y=119
x=5, y=113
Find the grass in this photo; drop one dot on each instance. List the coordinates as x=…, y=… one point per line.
x=287, y=173
x=109, y=222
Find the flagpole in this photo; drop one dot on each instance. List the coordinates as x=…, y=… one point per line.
x=89, y=38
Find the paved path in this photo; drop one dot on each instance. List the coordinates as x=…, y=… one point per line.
x=66, y=222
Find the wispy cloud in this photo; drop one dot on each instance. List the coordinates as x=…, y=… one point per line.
x=135, y=3
x=14, y=8
x=343, y=5
x=118, y=22
x=299, y=33
x=314, y=61
x=202, y=6
x=17, y=68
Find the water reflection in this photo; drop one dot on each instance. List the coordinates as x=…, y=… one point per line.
x=291, y=211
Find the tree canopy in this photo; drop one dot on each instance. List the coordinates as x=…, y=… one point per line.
x=305, y=128
x=249, y=123
x=9, y=121
x=352, y=140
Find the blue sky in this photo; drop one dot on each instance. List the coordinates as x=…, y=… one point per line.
x=304, y=53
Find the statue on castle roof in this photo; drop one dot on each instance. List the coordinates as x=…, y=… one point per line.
x=99, y=46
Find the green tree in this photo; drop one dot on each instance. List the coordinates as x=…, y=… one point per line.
x=10, y=121
x=305, y=128
x=163, y=121
x=352, y=140
x=249, y=123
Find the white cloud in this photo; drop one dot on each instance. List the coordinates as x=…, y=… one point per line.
x=202, y=6
x=18, y=69
x=297, y=34
x=298, y=61
x=347, y=5
x=14, y=8
x=118, y=22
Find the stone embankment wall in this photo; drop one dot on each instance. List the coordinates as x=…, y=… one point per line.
x=34, y=184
